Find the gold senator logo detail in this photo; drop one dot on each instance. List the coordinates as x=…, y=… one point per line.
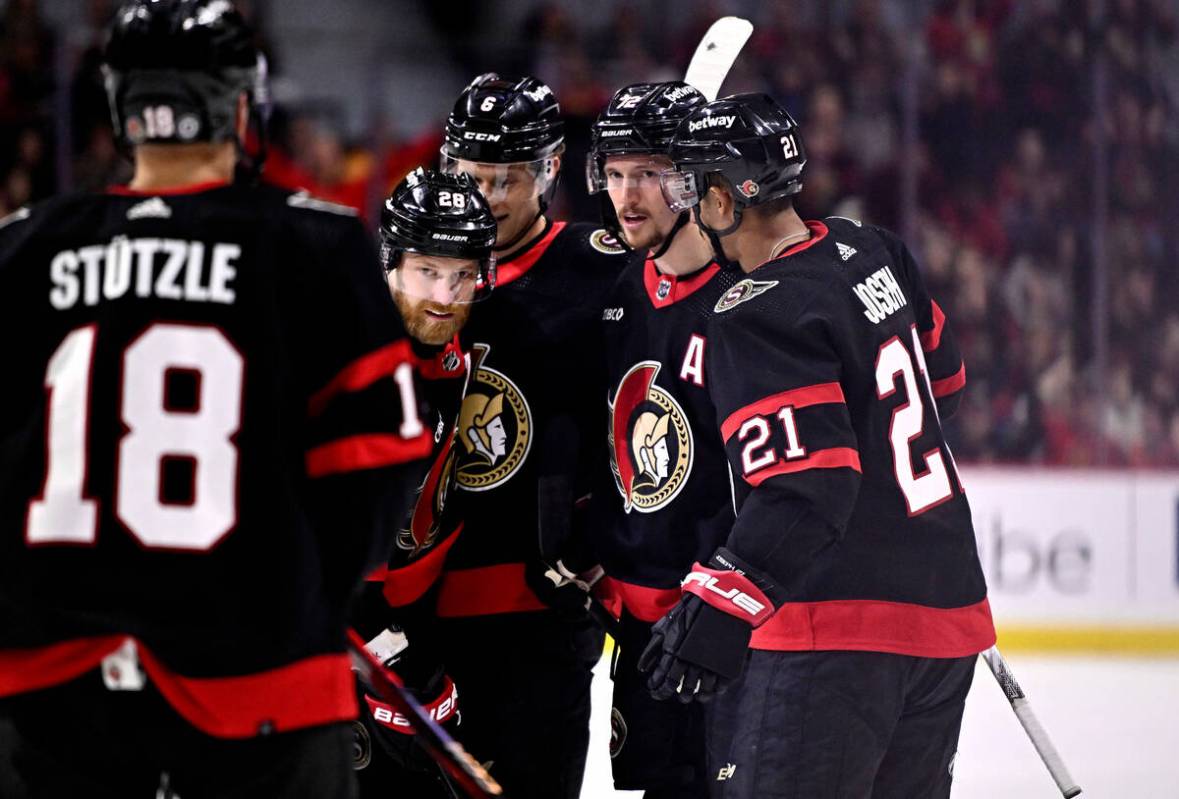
x=494, y=428
x=650, y=441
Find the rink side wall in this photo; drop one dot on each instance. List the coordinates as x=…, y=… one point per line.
x=1079, y=560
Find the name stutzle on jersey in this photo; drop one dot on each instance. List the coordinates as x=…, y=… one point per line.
x=881, y=295
x=170, y=269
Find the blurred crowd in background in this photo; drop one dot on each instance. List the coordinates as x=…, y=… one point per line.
x=1028, y=151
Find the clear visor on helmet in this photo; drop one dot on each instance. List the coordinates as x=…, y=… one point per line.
x=680, y=189
x=504, y=182
x=439, y=280
x=621, y=172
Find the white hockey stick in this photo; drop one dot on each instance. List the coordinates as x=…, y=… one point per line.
x=1031, y=725
x=716, y=53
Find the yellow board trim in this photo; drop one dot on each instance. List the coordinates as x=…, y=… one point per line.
x=1090, y=639
x=1078, y=640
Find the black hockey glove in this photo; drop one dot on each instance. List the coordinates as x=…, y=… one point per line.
x=698, y=649
x=380, y=722
x=561, y=589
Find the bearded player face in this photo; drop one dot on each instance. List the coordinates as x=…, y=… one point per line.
x=434, y=295
x=632, y=182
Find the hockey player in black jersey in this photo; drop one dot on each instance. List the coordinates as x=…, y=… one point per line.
x=668, y=504
x=528, y=424
x=209, y=432
x=437, y=234
x=847, y=605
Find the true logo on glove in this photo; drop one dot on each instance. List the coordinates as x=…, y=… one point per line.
x=729, y=598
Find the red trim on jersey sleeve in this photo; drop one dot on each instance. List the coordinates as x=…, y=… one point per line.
x=516, y=265
x=832, y=458
x=486, y=590
x=366, y=451
x=932, y=339
x=23, y=670
x=678, y=287
x=191, y=188
x=405, y=584
x=309, y=692
x=818, y=394
x=875, y=626
x=947, y=386
x=641, y=601
x=362, y=373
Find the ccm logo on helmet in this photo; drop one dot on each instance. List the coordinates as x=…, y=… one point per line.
x=696, y=582
x=712, y=122
x=476, y=136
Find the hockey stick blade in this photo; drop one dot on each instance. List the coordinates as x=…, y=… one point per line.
x=462, y=769
x=1031, y=725
x=716, y=53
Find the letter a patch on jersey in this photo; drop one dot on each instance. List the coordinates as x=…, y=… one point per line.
x=692, y=370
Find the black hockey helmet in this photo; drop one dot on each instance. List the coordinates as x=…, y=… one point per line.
x=750, y=140
x=174, y=70
x=500, y=121
x=434, y=213
x=639, y=120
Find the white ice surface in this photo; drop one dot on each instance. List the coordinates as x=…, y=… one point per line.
x=1115, y=721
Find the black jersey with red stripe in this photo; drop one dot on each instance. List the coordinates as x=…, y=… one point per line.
x=528, y=414
x=209, y=431
x=828, y=366
x=671, y=504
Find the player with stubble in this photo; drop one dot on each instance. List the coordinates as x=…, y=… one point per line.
x=436, y=236
x=837, y=627
x=668, y=504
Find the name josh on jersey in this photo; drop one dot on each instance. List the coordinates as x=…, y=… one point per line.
x=881, y=295
x=172, y=269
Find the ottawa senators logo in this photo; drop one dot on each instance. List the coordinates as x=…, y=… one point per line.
x=650, y=441
x=435, y=490
x=494, y=429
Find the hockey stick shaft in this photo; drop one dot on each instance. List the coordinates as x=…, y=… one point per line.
x=457, y=765
x=1031, y=725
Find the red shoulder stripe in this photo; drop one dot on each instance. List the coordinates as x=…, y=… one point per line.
x=947, y=386
x=362, y=373
x=932, y=339
x=366, y=451
x=832, y=458
x=795, y=398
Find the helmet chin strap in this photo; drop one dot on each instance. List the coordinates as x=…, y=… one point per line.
x=715, y=235
x=680, y=221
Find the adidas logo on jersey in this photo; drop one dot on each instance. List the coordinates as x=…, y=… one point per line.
x=845, y=251
x=155, y=207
